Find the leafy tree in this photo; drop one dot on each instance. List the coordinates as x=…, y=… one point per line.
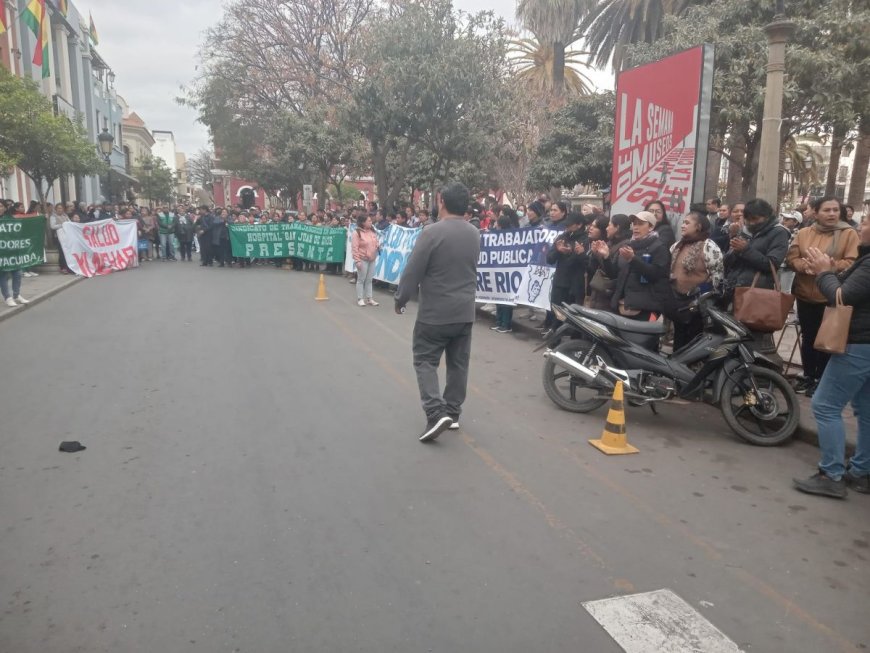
x=43, y=145
x=157, y=184
x=345, y=194
x=554, y=22
x=579, y=148
x=439, y=91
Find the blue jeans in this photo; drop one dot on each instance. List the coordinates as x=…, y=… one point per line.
x=166, y=246
x=846, y=378
x=16, y=283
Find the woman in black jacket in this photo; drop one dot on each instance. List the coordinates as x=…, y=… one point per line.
x=663, y=226
x=642, y=269
x=601, y=284
x=762, y=252
x=569, y=255
x=845, y=379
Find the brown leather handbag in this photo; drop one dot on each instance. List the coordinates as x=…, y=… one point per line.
x=834, y=331
x=761, y=309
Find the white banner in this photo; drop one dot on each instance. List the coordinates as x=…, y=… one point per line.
x=99, y=247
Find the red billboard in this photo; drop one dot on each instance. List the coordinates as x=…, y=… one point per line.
x=661, y=133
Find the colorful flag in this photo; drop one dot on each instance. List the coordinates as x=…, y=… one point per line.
x=2, y=16
x=63, y=7
x=93, y=31
x=36, y=18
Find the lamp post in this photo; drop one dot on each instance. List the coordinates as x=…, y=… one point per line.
x=106, y=140
x=778, y=34
x=147, y=167
x=808, y=165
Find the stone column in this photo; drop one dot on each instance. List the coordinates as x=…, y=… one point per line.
x=778, y=34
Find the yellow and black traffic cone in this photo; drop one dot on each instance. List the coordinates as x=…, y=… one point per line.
x=613, y=440
x=321, y=295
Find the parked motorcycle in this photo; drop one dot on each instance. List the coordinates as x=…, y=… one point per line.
x=718, y=367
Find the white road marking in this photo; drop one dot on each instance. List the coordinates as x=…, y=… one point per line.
x=658, y=622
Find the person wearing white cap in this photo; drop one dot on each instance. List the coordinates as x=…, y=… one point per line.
x=641, y=270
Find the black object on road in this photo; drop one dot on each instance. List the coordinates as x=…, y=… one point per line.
x=71, y=447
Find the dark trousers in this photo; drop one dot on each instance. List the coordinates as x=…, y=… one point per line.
x=186, y=249
x=685, y=330
x=504, y=315
x=810, y=318
x=61, y=257
x=558, y=296
x=430, y=342
x=206, y=251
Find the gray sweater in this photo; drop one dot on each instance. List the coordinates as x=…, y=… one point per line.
x=443, y=265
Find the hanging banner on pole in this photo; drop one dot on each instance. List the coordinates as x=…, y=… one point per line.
x=100, y=247
x=22, y=243
x=662, y=132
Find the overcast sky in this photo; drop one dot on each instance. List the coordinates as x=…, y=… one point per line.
x=152, y=48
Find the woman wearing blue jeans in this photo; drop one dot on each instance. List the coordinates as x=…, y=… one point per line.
x=13, y=298
x=846, y=378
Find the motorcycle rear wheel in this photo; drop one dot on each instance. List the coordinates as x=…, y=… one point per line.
x=768, y=424
x=561, y=386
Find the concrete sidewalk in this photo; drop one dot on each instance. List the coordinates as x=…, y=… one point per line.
x=807, y=429
x=38, y=289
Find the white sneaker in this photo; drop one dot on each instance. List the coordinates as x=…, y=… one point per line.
x=360, y=302
x=372, y=302
x=11, y=302
x=21, y=300
x=30, y=274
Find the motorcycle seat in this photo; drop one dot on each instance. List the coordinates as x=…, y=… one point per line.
x=621, y=323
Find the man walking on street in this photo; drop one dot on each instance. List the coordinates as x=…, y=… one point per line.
x=443, y=265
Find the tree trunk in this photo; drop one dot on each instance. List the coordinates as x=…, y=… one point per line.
x=750, y=167
x=558, y=69
x=837, y=138
x=858, y=182
x=714, y=160
x=379, y=167
x=737, y=156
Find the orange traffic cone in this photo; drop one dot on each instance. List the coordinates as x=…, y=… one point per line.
x=321, y=290
x=613, y=440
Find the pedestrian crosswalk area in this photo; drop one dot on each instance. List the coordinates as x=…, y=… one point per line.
x=658, y=622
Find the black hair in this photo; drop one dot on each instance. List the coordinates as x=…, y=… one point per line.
x=361, y=219
x=661, y=204
x=623, y=227
x=504, y=222
x=715, y=201
x=511, y=215
x=563, y=206
x=703, y=222
x=601, y=223
x=831, y=198
x=759, y=208
x=456, y=197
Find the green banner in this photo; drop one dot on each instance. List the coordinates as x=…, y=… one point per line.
x=22, y=242
x=279, y=240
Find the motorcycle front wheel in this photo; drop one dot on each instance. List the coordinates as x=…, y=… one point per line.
x=765, y=420
x=568, y=391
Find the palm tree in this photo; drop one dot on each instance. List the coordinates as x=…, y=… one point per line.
x=554, y=22
x=533, y=65
x=613, y=24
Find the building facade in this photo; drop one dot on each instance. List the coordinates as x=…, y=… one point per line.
x=81, y=87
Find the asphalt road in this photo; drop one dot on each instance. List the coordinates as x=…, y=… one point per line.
x=253, y=482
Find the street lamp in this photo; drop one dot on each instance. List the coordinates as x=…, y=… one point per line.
x=147, y=167
x=106, y=140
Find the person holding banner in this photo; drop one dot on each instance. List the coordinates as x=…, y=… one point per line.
x=443, y=267
x=55, y=221
x=365, y=247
